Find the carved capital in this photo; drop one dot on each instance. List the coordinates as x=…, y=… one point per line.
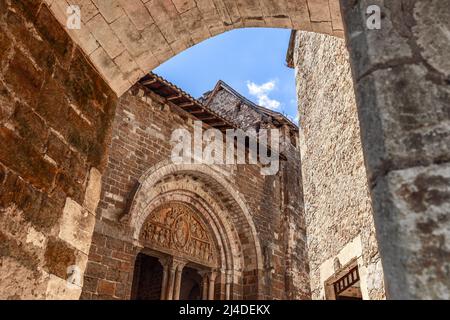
x=209, y=275
x=165, y=261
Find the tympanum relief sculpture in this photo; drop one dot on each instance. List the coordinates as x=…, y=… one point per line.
x=176, y=229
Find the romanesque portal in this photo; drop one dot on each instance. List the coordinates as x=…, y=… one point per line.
x=175, y=234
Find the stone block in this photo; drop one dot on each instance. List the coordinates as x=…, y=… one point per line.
x=105, y=36
x=403, y=130
x=87, y=8
x=58, y=257
x=40, y=51
x=336, y=18
x=184, y=5
x=109, y=9
x=411, y=210
x=138, y=13
x=93, y=189
x=106, y=288
x=30, y=126
x=162, y=11
x=20, y=156
x=110, y=70
x=319, y=10
x=390, y=46
x=24, y=78
x=55, y=34
x=249, y=8
x=77, y=226
x=96, y=270
x=129, y=67
x=58, y=289
x=130, y=36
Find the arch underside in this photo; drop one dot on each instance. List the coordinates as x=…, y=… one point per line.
x=126, y=39
x=220, y=212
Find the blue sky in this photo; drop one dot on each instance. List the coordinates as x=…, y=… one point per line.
x=251, y=60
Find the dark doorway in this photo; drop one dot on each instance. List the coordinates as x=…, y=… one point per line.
x=190, y=285
x=147, y=279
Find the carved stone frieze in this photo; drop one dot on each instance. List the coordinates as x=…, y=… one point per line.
x=176, y=228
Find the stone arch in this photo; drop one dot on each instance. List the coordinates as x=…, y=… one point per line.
x=221, y=207
x=126, y=39
x=229, y=254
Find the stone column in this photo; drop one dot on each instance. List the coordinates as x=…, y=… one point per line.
x=228, y=282
x=401, y=75
x=212, y=278
x=178, y=275
x=165, y=264
x=204, y=275
x=171, y=281
x=172, y=273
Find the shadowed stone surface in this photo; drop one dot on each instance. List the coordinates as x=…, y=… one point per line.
x=55, y=115
x=403, y=93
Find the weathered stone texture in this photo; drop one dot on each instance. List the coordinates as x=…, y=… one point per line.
x=337, y=201
x=150, y=32
x=56, y=111
x=55, y=115
x=403, y=93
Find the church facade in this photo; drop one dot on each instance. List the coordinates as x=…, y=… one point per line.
x=102, y=198
x=210, y=231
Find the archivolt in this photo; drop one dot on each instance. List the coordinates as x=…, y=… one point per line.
x=221, y=204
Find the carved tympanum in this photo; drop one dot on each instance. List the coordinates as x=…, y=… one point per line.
x=176, y=227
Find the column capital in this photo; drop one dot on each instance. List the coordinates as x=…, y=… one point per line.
x=172, y=262
x=212, y=278
x=179, y=263
x=229, y=276
x=165, y=261
x=209, y=274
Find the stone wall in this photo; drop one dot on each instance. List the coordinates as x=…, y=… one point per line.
x=338, y=208
x=141, y=144
x=234, y=107
x=238, y=111
x=55, y=116
x=401, y=74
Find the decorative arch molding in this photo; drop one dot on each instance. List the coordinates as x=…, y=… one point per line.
x=225, y=237
x=213, y=175
x=147, y=34
x=206, y=190
x=222, y=233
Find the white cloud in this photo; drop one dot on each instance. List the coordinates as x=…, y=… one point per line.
x=262, y=93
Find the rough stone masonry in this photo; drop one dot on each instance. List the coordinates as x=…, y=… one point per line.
x=338, y=207
x=58, y=94
x=55, y=116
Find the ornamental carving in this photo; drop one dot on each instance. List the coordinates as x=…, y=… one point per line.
x=176, y=228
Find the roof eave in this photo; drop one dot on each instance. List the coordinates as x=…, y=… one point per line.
x=290, y=50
